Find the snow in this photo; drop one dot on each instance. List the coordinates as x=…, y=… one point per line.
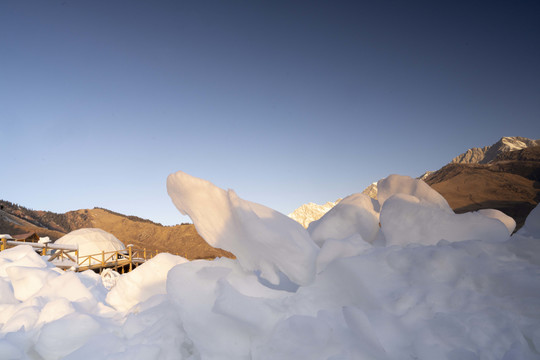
x=44, y=240
x=91, y=241
x=142, y=283
x=431, y=285
x=355, y=214
x=502, y=217
x=260, y=238
x=405, y=219
x=109, y=277
x=531, y=227
x=398, y=184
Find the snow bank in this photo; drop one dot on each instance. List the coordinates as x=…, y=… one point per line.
x=399, y=184
x=531, y=227
x=260, y=238
x=356, y=214
x=142, y=283
x=502, y=217
x=91, y=241
x=473, y=295
x=405, y=219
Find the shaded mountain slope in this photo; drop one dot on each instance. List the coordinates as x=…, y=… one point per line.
x=509, y=183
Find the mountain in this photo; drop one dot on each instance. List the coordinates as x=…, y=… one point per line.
x=182, y=239
x=371, y=191
x=503, y=176
x=510, y=182
x=488, y=154
x=310, y=212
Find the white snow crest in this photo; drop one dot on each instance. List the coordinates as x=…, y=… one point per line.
x=260, y=238
x=399, y=184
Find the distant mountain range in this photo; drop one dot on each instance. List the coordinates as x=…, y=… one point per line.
x=503, y=176
x=182, y=239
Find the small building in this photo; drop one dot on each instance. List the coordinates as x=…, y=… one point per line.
x=27, y=237
x=92, y=243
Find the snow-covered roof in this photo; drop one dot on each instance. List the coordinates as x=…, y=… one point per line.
x=91, y=241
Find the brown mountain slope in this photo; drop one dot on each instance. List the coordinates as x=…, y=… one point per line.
x=10, y=224
x=181, y=239
x=510, y=184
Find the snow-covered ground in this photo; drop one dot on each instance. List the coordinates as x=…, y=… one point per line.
x=427, y=284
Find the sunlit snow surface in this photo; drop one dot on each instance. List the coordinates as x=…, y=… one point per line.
x=428, y=285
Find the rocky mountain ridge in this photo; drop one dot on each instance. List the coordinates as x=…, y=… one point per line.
x=489, y=153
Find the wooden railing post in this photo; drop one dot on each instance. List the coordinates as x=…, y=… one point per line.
x=103, y=258
x=4, y=243
x=145, y=254
x=130, y=259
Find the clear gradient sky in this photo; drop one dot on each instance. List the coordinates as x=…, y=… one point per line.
x=286, y=102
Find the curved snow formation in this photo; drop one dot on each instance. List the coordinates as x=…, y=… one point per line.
x=531, y=227
x=509, y=222
x=260, y=238
x=399, y=184
x=91, y=241
x=355, y=214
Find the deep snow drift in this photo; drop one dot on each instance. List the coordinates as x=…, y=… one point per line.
x=427, y=284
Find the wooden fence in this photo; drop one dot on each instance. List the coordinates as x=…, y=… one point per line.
x=67, y=256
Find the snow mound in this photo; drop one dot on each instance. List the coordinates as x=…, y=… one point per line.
x=405, y=219
x=502, y=217
x=355, y=214
x=399, y=184
x=91, y=241
x=531, y=227
x=142, y=283
x=109, y=277
x=260, y=238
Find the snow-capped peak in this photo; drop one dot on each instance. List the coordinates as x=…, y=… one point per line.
x=309, y=212
x=488, y=153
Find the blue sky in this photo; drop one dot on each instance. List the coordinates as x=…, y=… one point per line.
x=286, y=102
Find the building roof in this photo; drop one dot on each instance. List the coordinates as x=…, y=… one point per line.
x=26, y=236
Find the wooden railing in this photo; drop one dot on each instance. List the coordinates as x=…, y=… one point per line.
x=63, y=249
x=68, y=255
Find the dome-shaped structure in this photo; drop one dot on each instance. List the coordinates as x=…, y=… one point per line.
x=91, y=241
